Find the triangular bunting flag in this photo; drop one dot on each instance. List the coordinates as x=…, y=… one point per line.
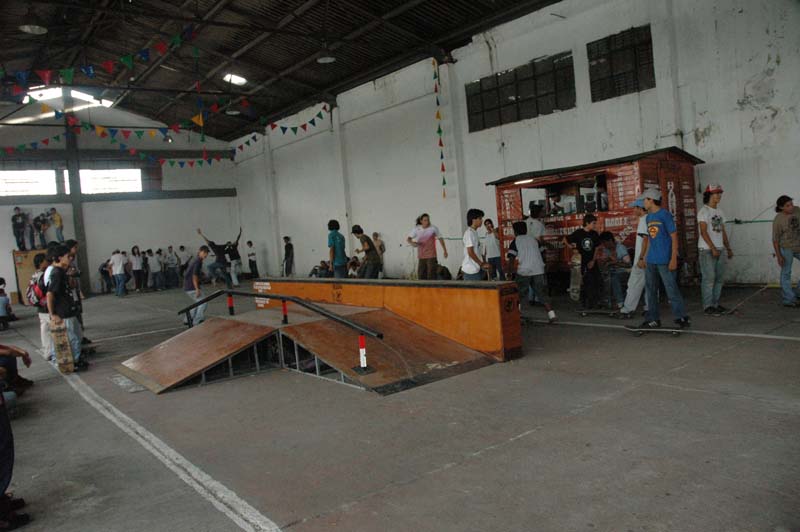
x=443, y=168
x=245, y=103
x=123, y=147
x=437, y=102
x=151, y=159
x=142, y=155
x=16, y=90
x=325, y=107
x=88, y=70
x=435, y=75
x=45, y=76
x=199, y=163
x=441, y=155
x=9, y=150
x=433, y=61
x=162, y=161
x=273, y=126
x=113, y=132
x=139, y=133
x=320, y=115
x=313, y=122
x=127, y=60
x=439, y=131
x=214, y=107
x=113, y=141
x=99, y=130
x=22, y=76
x=144, y=54
x=57, y=138
x=294, y=129
x=172, y=163
x=218, y=157
x=163, y=131
x=76, y=130
x=126, y=133
x=181, y=164
x=202, y=136
x=152, y=133
x=21, y=147
x=46, y=108
x=86, y=126
x=198, y=119
x=161, y=48
x=209, y=162
x=132, y=151
x=247, y=142
x=253, y=138
x=197, y=87
x=304, y=127
x=59, y=114
x=241, y=147
x=176, y=128
x=263, y=120
x=441, y=144
x=34, y=145
x=175, y=41
x=284, y=129
x=438, y=115
x=67, y=74
x=108, y=66
x=46, y=142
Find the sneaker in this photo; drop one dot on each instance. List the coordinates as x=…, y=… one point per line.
x=709, y=311
x=796, y=304
x=551, y=316
x=684, y=323
x=85, y=341
x=721, y=309
x=625, y=315
x=646, y=324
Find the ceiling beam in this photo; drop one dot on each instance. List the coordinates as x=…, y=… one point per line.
x=87, y=34
x=285, y=21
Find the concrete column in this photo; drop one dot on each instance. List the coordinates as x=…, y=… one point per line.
x=76, y=196
x=272, y=201
x=341, y=157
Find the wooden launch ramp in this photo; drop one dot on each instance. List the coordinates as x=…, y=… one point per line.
x=401, y=353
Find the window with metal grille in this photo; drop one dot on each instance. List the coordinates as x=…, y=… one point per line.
x=621, y=63
x=540, y=87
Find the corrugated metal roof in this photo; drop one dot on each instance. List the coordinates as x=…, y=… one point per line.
x=272, y=43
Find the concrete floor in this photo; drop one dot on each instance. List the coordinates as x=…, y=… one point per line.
x=594, y=429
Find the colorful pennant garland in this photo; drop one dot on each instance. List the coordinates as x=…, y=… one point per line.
x=439, y=130
x=313, y=122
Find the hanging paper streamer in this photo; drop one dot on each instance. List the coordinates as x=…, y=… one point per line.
x=439, y=130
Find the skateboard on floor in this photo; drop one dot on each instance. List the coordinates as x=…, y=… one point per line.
x=575, y=277
x=638, y=331
x=609, y=313
x=64, y=358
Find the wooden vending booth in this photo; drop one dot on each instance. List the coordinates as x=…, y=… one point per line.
x=605, y=189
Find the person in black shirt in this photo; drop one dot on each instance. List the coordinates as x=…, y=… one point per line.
x=587, y=239
x=232, y=250
x=61, y=306
x=288, y=257
x=218, y=268
x=18, y=226
x=40, y=225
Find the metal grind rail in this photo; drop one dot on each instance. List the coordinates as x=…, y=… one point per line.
x=284, y=299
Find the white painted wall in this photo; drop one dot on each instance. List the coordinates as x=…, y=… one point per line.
x=726, y=90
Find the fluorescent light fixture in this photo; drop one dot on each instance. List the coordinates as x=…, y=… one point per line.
x=32, y=24
x=106, y=103
x=325, y=57
x=523, y=182
x=45, y=94
x=230, y=111
x=82, y=96
x=234, y=79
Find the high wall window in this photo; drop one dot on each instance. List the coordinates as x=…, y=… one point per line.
x=109, y=181
x=530, y=90
x=621, y=63
x=27, y=182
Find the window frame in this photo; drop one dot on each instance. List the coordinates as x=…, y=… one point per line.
x=621, y=63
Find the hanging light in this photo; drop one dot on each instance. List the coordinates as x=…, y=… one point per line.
x=230, y=111
x=32, y=24
x=325, y=57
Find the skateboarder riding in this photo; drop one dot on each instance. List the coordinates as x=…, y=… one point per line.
x=659, y=259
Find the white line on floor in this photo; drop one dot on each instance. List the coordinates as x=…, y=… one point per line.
x=133, y=335
x=687, y=331
x=223, y=499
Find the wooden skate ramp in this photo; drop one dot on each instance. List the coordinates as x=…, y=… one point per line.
x=188, y=354
x=407, y=356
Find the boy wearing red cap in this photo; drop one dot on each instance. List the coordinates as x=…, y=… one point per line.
x=712, y=239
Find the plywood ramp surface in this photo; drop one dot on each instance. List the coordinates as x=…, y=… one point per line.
x=407, y=356
x=188, y=354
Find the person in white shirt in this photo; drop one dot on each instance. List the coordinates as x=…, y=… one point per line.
x=117, y=263
x=636, y=280
x=424, y=237
x=137, y=267
x=535, y=226
x=711, y=221
x=472, y=264
x=525, y=259
x=252, y=259
x=491, y=251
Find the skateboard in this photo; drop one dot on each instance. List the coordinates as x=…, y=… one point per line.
x=609, y=313
x=575, y=277
x=640, y=331
x=63, y=349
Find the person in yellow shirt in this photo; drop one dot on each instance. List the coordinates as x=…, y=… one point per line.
x=58, y=223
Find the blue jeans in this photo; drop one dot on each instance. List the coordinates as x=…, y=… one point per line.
x=120, y=280
x=158, y=280
x=340, y=272
x=217, y=269
x=612, y=280
x=198, y=314
x=473, y=276
x=497, y=268
x=712, y=271
x=789, y=296
x=60, y=234
x=652, y=275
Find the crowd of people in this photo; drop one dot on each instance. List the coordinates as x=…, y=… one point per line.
x=28, y=227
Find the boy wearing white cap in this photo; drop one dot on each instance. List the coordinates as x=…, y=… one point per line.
x=637, y=277
x=712, y=238
x=660, y=260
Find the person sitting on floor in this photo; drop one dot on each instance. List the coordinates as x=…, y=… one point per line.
x=12, y=380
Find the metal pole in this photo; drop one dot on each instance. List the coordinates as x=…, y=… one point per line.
x=75, y=195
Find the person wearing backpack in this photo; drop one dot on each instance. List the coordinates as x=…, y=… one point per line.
x=37, y=297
